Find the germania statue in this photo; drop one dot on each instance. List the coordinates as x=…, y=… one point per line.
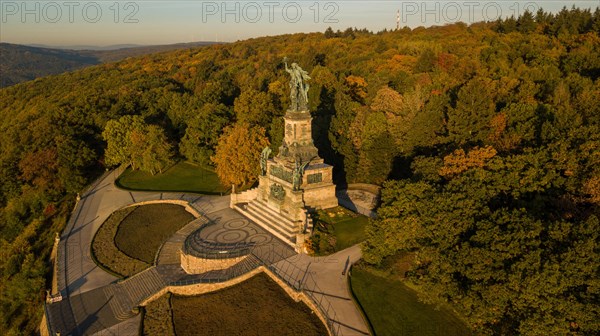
x=298, y=87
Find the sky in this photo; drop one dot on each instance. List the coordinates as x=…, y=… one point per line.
x=148, y=22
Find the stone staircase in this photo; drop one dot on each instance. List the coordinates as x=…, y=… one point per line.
x=270, y=220
x=126, y=295
x=169, y=252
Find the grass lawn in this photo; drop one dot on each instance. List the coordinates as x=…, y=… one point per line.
x=182, y=177
x=339, y=228
x=257, y=306
x=106, y=254
x=394, y=309
x=146, y=228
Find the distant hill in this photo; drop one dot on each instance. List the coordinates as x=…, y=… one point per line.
x=19, y=63
x=87, y=47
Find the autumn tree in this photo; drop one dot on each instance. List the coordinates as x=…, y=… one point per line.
x=40, y=168
x=356, y=88
x=237, y=154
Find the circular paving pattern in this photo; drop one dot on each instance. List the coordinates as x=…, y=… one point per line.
x=234, y=233
x=260, y=238
x=231, y=236
x=234, y=224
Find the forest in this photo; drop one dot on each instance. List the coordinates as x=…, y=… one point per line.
x=485, y=138
x=20, y=63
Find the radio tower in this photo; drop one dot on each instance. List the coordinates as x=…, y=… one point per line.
x=398, y=20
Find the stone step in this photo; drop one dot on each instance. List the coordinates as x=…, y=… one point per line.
x=270, y=222
x=119, y=302
x=126, y=295
x=192, y=226
x=286, y=238
x=275, y=218
x=143, y=285
x=249, y=263
x=169, y=253
x=263, y=205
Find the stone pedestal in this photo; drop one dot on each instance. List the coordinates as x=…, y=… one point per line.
x=316, y=189
x=295, y=182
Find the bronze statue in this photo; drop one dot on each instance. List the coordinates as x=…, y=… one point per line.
x=298, y=173
x=264, y=156
x=298, y=87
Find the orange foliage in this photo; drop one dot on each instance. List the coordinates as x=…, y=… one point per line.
x=502, y=140
x=357, y=87
x=399, y=63
x=592, y=188
x=40, y=168
x=445, y=61
x=459, y=161
x=498, y=125
x=237, y=154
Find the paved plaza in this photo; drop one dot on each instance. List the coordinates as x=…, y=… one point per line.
x=95, y=301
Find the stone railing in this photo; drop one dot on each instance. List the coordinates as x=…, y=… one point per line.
x=243, y=197
x=361, y=198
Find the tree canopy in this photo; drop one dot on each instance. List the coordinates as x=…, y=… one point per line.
x=237, y=154
x=487, y=135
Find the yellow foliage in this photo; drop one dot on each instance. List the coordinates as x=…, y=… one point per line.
x=399, y=63
x=388, y=101
x=238, y=153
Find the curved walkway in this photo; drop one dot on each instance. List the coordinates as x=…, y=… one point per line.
x=96, y=302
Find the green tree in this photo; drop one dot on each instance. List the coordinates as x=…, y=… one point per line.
x=157, y=151
x=469, y=121
x=117, y=134
x=254, y=107
x=131, y=141
x=495, y=241
x=202, y=133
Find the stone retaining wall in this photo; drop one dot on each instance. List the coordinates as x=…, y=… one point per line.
x=185, y=204
x=361, y=198
x=196, y=265
x=203, y=288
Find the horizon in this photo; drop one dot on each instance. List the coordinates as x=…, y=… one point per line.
x=157, y=22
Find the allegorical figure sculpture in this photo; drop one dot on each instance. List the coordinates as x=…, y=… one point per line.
x=264, y=157
x=298, y=173
x=298, y=87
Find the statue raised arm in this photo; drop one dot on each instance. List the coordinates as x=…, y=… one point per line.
x=298, y=87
